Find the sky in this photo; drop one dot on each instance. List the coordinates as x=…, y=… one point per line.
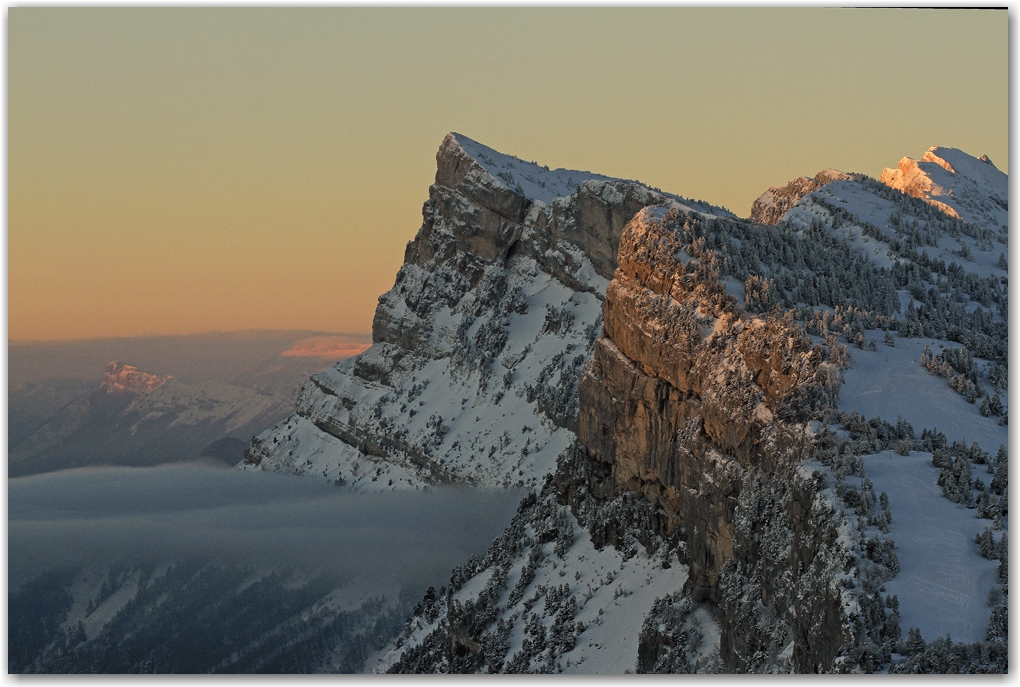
x=183, y=170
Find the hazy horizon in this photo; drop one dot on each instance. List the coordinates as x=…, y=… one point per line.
x=184, y=170
x=210, y=356
x=211, y=332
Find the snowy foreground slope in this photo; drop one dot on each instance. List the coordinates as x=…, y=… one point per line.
x=722, y=453
x=563, y=606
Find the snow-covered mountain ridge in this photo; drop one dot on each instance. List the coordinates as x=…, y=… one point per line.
x=473, y=370
x=771, y=206
x=960, y=185
x=693, y=450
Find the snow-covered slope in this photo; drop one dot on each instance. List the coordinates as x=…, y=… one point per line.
x=875, y=385
x=943, y=584
x=473, y=373
x=550, y=596
x=528, y=179
x=941, y=377
x=539, y=183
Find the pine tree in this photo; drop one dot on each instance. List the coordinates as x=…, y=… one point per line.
x=1004, y=560
x=1000, y=482
x=984, y=505
x=915, y=642
x=986, y=542
x=940, y=459
x=998, y=624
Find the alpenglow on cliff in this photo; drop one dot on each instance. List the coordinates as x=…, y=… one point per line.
x=739, y=437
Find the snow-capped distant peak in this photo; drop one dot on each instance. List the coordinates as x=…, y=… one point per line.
x=129, y=379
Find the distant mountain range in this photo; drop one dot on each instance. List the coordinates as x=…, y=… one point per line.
x=212, y=393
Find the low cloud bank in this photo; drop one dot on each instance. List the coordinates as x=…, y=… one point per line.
x=102, y=515
x=332, y=347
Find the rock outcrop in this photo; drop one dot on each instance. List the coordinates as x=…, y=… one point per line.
x=472, y=375
x=769, y=207
x=685, y=391
x=687, y=400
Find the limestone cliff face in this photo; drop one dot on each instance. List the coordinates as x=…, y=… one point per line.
x=769, y=207
x=685, y=391
x=472, y=376
x=687, y=399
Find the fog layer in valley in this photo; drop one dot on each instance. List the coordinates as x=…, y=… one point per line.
x=99, y=515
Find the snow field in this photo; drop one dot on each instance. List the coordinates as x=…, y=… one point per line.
x=943, y=584
x=891, y=383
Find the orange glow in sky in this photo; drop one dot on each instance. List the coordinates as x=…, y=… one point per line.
x=180, y=170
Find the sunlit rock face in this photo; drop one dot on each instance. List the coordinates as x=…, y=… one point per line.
x=769, y=207
x=685, y=390
x=472, y=376
x=966, y=187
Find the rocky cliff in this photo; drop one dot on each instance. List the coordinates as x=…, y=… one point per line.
x=685, y=391
x=472, y=374
x=686, y=398
x=680, y=528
